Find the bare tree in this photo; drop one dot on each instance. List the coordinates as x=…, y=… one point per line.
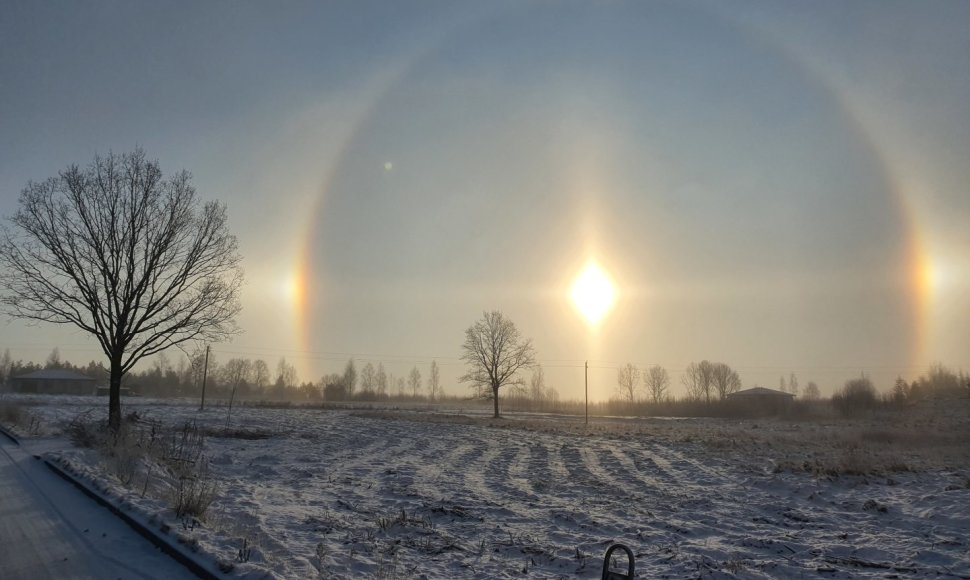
x=414, y=381
x=857, y=396
x=380, y=380
x=161, y=364
x=706, y=369
x=495, y=353
x=193, y=371
x=350, y=378
x=285, y=377
x=628, y=382
x=237, y=372
x=126, y=255
x=367, y=378
x=434, y=381
x=725, y=380
x=333, y=387
x=793, y=384
x=692, y=382
x=939, y=380
x=537, y=384
x=812, y=392
x=900, y=390
x=310, y=391
x=551, y=394
x=657, y=382
x=6, y=363
x=782, y=386
x=54, y=360
x=538, y=390
x=260, y=374
x=698, y=378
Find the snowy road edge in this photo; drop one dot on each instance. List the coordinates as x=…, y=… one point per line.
x=148, y=533
x=9, y=435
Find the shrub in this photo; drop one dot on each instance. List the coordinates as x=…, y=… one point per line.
x=177, y=455
x=13, y=415
x=10, y=413
x=195, y=493
x=941, y=381
x=83, y=433
x=856, y=397
x=123, y=454
x=183, y=449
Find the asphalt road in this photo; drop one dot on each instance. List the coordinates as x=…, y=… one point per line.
x=49, y=529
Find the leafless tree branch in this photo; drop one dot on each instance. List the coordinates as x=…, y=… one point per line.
x=495, y=352
x=124, y=254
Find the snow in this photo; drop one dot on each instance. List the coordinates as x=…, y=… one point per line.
x=421, y=494
x=48, y=529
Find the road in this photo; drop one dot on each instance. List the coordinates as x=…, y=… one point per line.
x=49, y=529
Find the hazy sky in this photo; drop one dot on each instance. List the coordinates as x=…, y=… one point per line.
x=779, y=186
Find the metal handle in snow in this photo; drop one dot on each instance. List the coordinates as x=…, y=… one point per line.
x=607, y=574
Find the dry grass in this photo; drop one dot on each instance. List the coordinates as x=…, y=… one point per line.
x=238, y=433
x=859, y=462
x=926, y=437
x=10, y=413
x=195, y=493
x=17, y=418
x=169, y=462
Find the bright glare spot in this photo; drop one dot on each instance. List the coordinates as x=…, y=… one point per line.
x=593, y=293
x=294, y=289
x=388, y=166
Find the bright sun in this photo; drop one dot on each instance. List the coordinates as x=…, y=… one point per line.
x=593, y=293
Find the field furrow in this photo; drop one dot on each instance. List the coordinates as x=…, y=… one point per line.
x=334, y=494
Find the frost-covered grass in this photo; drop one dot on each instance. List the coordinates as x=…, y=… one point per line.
x=17, y=418
x=305, y=493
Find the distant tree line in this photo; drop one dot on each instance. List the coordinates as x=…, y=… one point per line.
x=374, y=383
x=708, y=384
x=638, y=391
x=859, y=395
x=704, y=381
x=248, y=379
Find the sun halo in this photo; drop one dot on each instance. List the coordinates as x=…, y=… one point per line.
x=593, y=293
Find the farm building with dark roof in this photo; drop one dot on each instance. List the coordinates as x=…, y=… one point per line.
x=54, y=382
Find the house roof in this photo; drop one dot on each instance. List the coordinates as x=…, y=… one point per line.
x=761, y=392
x=54, y=375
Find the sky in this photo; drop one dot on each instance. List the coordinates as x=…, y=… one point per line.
x=780, y=186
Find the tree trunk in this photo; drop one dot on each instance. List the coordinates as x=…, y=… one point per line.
x=114, y=394
x=495, y=400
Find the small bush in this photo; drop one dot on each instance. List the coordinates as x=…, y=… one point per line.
x=84, y=434
x=13, y=415
x=195, y=493
x=183, y=449
x=245, y=552
x=858, y=396
x=175, y=457
x=123, y=453
x=10, y=413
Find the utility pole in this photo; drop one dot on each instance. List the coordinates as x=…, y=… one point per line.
x=587, y=392
x=205, y=373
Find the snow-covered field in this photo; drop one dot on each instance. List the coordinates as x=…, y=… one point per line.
x=419, y=494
